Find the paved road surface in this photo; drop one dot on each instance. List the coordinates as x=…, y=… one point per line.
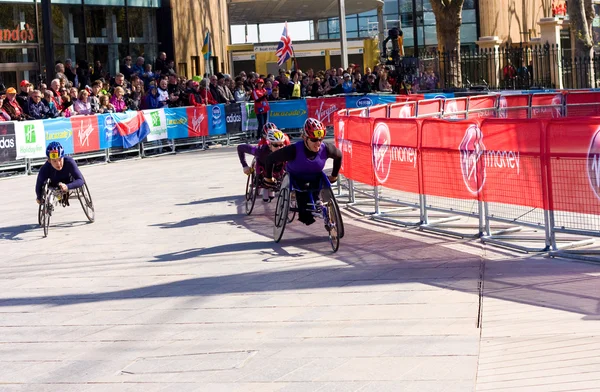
x=175, y=289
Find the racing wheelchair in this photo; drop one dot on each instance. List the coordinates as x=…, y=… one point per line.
x=325, y=207
x=254, y=183
x=52, y=197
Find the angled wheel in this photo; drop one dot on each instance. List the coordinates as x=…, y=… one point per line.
x=281, y=210
x=41, y=214
x=332, y=225
x=85, y=198
x=251, y=191
x=327, y=195
x=46, y=214
x=294, y=207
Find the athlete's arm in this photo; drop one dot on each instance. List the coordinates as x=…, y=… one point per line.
x=71, y=167
x=286, y=154
x=244, y=149
x=42, y=176
x=336, y=154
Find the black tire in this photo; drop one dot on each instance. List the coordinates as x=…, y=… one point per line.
x=281, y=210
x=332, y=225
x=327, y=195
x=251, y=192
x=41, y=214
x=292, y=214
x=46, y=217
x=85, y=198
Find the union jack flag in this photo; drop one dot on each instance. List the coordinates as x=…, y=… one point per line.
x=284, y=49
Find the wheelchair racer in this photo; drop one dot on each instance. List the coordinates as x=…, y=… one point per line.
x=305, y=161
x=270, y=126
x=275, y=139
x=61, y=170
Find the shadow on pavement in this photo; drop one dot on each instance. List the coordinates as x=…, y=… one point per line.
x=220, y=199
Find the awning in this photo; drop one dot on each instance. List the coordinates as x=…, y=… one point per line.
x=275, y=11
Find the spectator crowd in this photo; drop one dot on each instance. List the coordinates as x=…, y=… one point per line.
x=78, y=89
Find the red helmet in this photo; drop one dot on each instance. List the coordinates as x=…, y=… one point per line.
x=314, y=129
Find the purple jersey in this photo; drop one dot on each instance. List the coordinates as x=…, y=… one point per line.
x=303, y=165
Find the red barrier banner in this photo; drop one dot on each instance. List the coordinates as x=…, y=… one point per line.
x=197, y=121
x=547, y=105
x=378, y=111
x=482, y=106
x=85, y=134
x=511, y=158
x=403, y=110
x=574, y=165
x=429, y=108
x=455, y=108
x=513, y=106
x=354, y=136
x=451, y=157
x=324, y=108
x=583, y=104
x=395, y=154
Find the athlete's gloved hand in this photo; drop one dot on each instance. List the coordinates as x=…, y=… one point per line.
x=38, y=201
x=332, y=179
x=247, y=170
x=63, y=187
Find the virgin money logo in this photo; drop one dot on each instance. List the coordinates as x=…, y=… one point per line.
x=405, y=112
x=473, y=168
x=502, y=105
x=84, y=132
x=382, y=157
x=364, y=102
x=197, y=119
x=593, y=164
x=451, y=107
x=325, y=114
x=343, y=144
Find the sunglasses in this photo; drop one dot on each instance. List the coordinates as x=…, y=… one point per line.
x=315, y=140
x=276, y=145
x=54, y=155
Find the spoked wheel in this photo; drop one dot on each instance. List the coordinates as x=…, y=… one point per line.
x=46, y=214
x=292, y=214
x=328, y=196
x=85, y=198
x=332, y=226
x=41, y=214
x=251, y=192
x=281, y=210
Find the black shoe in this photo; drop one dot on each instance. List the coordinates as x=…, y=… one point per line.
x=306, y=219
x=271, y=198
x=266, y=200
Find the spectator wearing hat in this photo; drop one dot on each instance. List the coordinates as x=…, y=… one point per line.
x=347, y=85
x=239, y=93
x=152, y=100
x=25, y=88
x=261, y=105
x=3, y=115
x=214, y=89
x=12, y=107
x=49, y=110
x=94, y=97
x=224, y=90
x=205, y=94
x=368, y=85
x=195, y=99
x=36, y=107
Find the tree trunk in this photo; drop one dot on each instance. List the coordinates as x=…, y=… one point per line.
x=448, y=20
x=581, y=15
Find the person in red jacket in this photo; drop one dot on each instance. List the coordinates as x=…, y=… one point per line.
x=261, y=105
x=207, y=97
x=195, y=97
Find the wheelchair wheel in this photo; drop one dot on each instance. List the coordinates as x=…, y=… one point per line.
x=292, y=214
x=45, y=216
x=332, y=225
x=85, y=198
x=41, y=214
x=281, y=210
x=327, y=195
x=251, y=191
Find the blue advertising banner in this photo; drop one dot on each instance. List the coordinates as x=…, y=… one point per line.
x=177, y=122
x=361, y=101
x=288, y=114
x=60, y=130
x=109, y=135
x=438, y=95
x=383, y=99
x=216, y=119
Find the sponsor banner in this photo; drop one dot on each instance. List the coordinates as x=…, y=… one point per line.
x=361, y=101
x=157, y=121
x=574, y=165
x=249, y=121
x=243, y=57
x=233, y=118
x=403, y=110
x=513, y=106
x=430, y=108
x=177, y=122
x=455, y=108
x=85, y=133
x=438, y=95
x=482, y=106
x=216, y=119
x=512, y=155
x=546, y=105
x=355, y=137
x=60, y=130
x=452, y=165
x=288, y=114
x=378, y=111
x=31, y=139
x=8, y=142
x=338, y=52
x=323, y=109
x=395, y=154
x=384, y=98
x=582, y=104
x=107, y=132
x=197, y=121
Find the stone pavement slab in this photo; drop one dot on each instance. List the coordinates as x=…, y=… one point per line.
x=174, y=288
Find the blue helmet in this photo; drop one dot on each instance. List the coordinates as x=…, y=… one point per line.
x=55, y=150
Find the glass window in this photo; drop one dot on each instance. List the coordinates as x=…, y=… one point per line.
x=145, y=29
x=407, y=20
x=427, y=5
x=469, y=4
x=322, y=27
x=390, y=7
x=352, y=34
x=20, y=55
x=405, y=6
x=429, y=18
x=468, y=16
x=369, y=13
x=101, y=23
x=430, y=36
x=323, y=36
x=144, y=3
x=334, y=35
x=364, y=22
x=468, y=32
x=67, y=24
x=334, y=25
x=18, y=24
x=105, y=2
x=351, y=24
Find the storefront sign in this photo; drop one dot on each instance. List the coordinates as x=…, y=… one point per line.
x=17, y=34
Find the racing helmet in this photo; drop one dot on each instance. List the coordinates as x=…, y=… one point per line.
x=269, y=126
x=275, y=136
x=314, y=129
x=54, y=150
